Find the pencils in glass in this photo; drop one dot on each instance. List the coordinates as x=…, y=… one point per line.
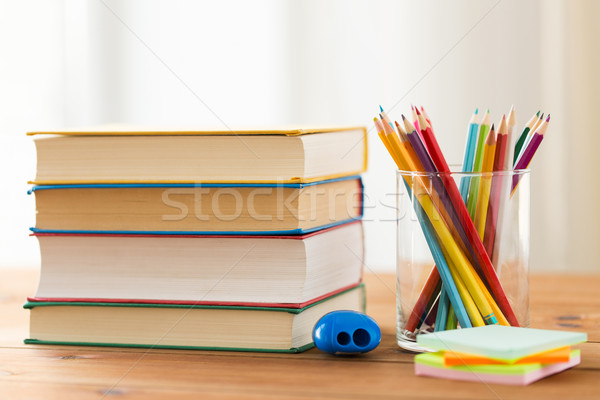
x=483, y=259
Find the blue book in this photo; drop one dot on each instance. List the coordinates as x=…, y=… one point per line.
x=198, y=209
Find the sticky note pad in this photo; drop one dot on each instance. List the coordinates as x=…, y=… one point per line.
x=499, y=342
x=432, y=364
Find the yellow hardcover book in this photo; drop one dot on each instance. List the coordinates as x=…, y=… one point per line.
x=118, y=155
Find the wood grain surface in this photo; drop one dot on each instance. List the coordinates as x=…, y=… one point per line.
x=65, y=372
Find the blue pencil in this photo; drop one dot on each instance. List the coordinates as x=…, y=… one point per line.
x=469, y=156
x=442, y=312
x=465, y=181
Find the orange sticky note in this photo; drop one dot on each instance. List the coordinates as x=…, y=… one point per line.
x=561, y=354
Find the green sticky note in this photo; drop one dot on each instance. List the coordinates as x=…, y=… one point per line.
x=507, y=343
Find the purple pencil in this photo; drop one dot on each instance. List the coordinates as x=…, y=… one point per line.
x=527, y=154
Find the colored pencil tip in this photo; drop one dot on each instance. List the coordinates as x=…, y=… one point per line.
x=412, y=107
x=548, y=119
x=417, y=110
x=375, y=119
x=488, y=111
x=492, y=128
x=476, y=111
x=503, y=117
x=403, y=117
x=538, y=113
x=380, y=108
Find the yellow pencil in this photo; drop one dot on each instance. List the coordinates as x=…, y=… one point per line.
x=468, y=302
x=485, y=184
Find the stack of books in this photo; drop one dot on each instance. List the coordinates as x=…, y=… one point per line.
x=196, y=239
x=498, y=354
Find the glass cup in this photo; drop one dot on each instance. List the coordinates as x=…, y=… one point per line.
x=500, y=215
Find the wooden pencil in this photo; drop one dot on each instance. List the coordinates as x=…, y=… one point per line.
x=511, y=122
x=527, y=154
x=469, y=155
x=523, y=137
x=414, y=116
x=485, y=184
x=530, y=135
x=502, y=146
x=484, y=128
x=426, y=116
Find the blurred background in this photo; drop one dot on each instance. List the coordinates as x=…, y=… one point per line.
x=73, y=63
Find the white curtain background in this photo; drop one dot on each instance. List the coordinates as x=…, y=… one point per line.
x=266, y=63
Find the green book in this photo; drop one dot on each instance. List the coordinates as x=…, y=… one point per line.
x=177, y=326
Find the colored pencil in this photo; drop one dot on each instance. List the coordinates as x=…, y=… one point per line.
x=483, y=259
x=469, y=156
x=467, y=166
x=442, y=311
x=484, y=128
x=523, y=137
x=414, y=117
x=511, y=122
x=485, y=183
x=384, y=117
x=530, y=135
x=405, y=163
x=502, y=145
x=465, y=294
x=428, y=291
x=426, y=116
x=452, y=323
x=525, y=158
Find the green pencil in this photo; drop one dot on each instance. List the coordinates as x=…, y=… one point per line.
x=484, y=128
x=523, y=137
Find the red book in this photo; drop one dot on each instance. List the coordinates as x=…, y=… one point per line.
x=267, y=271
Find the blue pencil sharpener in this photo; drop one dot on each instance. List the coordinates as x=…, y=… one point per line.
x=346, y=332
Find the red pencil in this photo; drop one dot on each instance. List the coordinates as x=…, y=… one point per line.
x=496, y=189
x=484, y=262
x=429, y=290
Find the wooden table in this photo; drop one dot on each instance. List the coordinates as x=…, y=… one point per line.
x=29, y=371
